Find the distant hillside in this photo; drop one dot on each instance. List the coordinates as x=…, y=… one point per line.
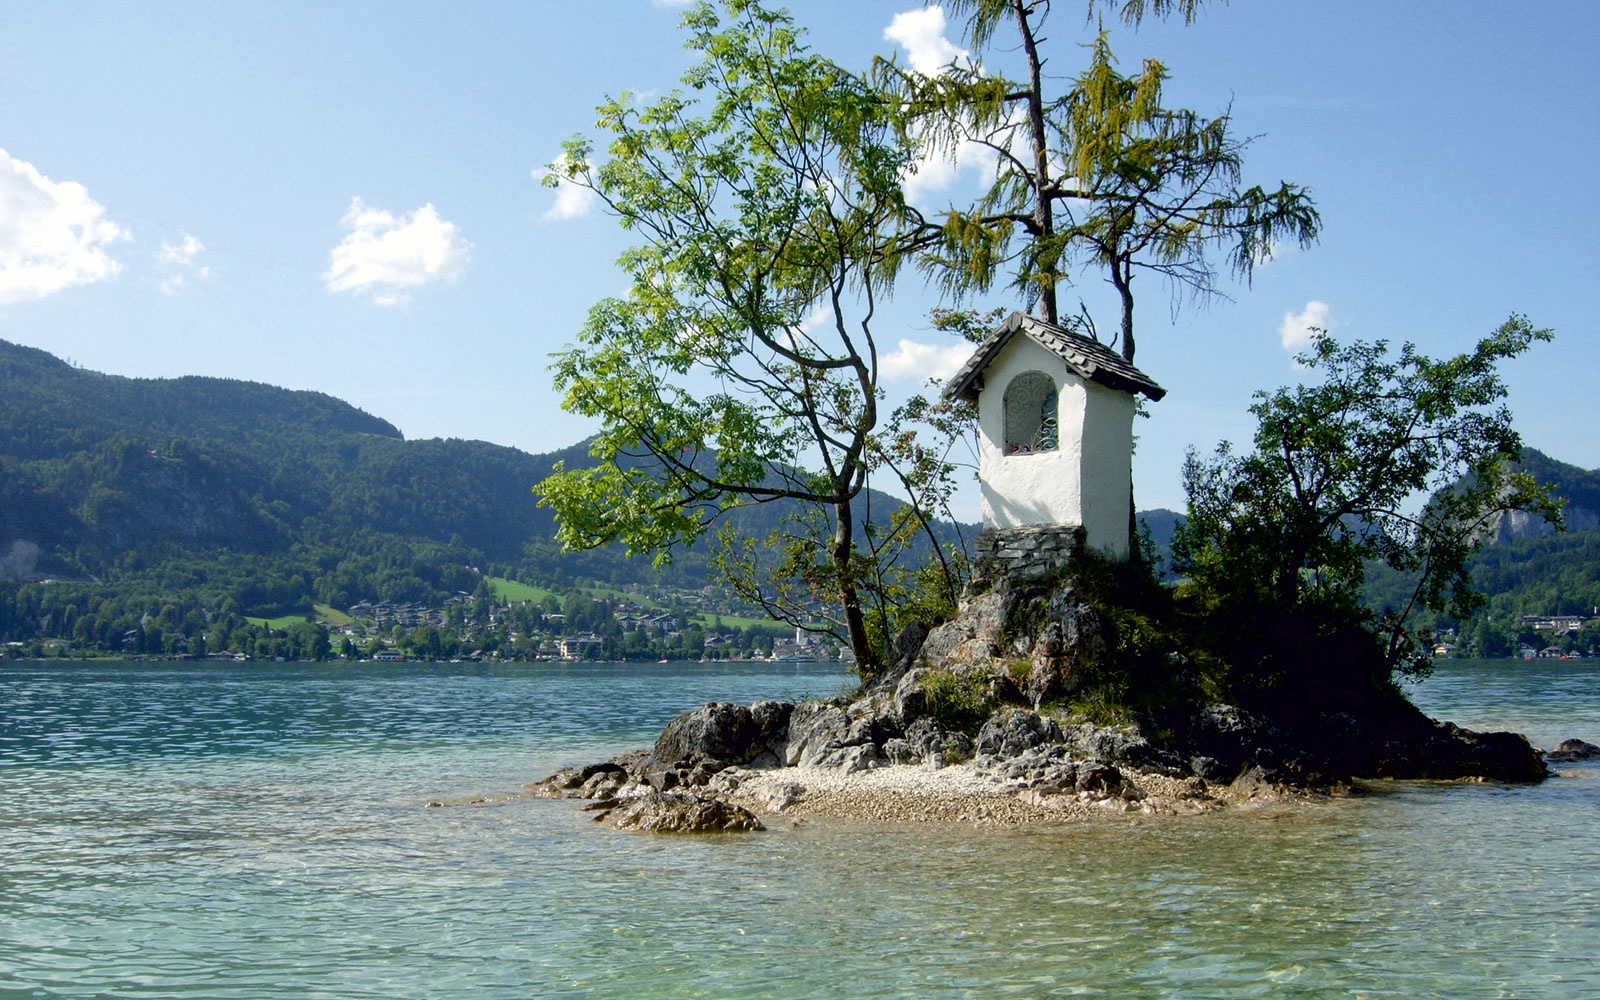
x=265, y=499
x=221, y=494
x=1531, y=569
x=97, y=471
x=1528, y=568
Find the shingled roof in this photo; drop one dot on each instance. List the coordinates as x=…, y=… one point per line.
x=1088, y=359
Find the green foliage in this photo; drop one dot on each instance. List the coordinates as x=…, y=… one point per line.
x=1102, y=705
x=1406, y=461
x=741, y=367
x=960, y=702
x=1100, y=179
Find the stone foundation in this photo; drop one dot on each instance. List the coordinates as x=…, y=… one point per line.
x=1029, y=554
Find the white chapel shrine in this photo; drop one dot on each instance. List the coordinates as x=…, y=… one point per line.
x=1055, y=433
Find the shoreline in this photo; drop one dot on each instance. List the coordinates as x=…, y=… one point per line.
x=916, y=795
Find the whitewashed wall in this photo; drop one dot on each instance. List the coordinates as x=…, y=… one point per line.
x=1087, y=480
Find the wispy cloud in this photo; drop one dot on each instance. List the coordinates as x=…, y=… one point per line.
x=573, y=201
x=52, y=234
x=178, y=262
x=1296, y=330
x=386, y=256
x=921, y=33
x=911, y=359
x=939, y=170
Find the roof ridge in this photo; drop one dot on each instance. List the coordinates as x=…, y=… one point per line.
x=1086, y=357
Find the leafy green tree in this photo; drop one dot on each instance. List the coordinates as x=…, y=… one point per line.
x=1101, y=178
x=1404, y=460
x=742, y=367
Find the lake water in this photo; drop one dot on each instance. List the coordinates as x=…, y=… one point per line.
x=263, y=831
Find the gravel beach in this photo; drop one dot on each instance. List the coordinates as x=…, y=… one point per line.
x=959, y=794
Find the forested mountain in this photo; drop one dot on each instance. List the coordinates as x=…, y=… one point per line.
x=208, y=482
x=217, y=496
x=1528, y=569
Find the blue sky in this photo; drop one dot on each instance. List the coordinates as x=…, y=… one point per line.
x=345, y=197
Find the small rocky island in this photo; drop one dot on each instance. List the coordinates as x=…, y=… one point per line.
x=981, y=720
x=1069, y=681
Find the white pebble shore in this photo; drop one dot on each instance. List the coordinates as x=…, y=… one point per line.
x=914, y=794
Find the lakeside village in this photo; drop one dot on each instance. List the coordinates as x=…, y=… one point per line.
x=1543, y=637
x=480, y=627
x=584, y=629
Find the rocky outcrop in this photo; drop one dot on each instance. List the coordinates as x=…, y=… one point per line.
x=1049, y=640
x=1449, y=751
x=974, y=691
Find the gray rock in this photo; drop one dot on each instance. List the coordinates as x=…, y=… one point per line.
x=971, y=639
x=955, y=749
x=849, y=759
x=1070, y=644
x=910, y=702
x=1093, y=776
x=720, y=731
x=1573, y=750
x=1011, y=731
x=785, y=795
x=903, y=651
x=901, y=751
x=772, y=725
x=1230, y=736
x=1107, y=744
x=925, y=736
x=1207, y=768
x=815, y=728
x=679, y=812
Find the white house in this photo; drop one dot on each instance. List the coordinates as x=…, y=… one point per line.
x=1055, y=430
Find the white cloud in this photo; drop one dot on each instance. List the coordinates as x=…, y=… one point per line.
x=921, y=34
x=52, y=234
x=1296, y=328
x=387, y=256
x=938, y=170
x=573, y=201
x=179, y=261
x=924, y=361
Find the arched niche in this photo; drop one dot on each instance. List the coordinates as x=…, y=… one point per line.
x=1030, y=414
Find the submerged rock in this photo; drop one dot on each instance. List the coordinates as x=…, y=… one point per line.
x=678, y=812
x=1568, y=751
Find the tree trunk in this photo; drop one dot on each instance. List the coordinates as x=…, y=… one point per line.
x=1122, y=280
x=855, y=620
x=1134, y=555
x=1043, y=214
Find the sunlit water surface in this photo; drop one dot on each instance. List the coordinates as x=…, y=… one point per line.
x=263, y=831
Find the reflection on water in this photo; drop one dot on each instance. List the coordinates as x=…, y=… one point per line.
x=260, y=832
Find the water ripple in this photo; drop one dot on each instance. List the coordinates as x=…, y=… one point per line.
x=250, y=832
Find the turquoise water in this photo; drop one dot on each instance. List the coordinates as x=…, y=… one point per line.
x=262, y=831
